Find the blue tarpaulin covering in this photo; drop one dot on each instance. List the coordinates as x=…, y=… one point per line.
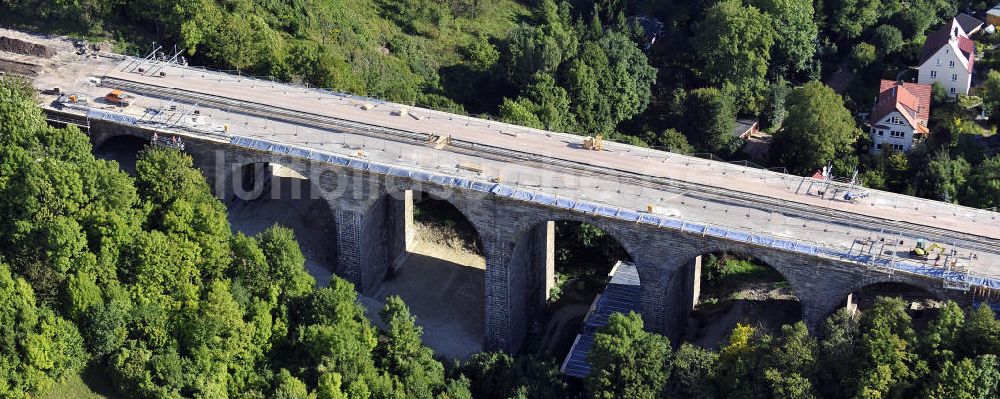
x=522, y=195
x=112, y=117
x=716, y=231
x=605, y=211
x=566, y=203
x=627, y=214
x=693, y=228
x=379, y=168
x=503, y=190
x=357, y=165
x=398, y=172
x=672, y=224
x=623, y=294
x=421, y=176
x=739, y=236
x=650, y=219
x=585, y=207
x=484, y=187
x=299, y=152
x=545, y=199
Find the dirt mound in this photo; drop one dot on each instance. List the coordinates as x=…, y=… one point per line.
x=22, y=47
x=18, y=68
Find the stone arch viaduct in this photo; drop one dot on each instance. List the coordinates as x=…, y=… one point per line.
x=372, y=213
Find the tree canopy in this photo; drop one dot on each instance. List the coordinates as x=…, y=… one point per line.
x=816, y=128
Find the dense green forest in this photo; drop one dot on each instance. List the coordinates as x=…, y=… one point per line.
x=587, y=67
x=144, y=277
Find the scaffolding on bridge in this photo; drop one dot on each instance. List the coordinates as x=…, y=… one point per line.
x=957, y=269
x=172, y=142
x=81, y=122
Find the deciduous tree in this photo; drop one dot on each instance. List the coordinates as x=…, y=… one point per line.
x=734, y=46
x=817, y=126
x=628, y=362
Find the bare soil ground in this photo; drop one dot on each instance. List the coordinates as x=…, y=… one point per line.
x=310, y=219
x=19, y=68
x=759, y=304
x=443, y=283
x=560, y=331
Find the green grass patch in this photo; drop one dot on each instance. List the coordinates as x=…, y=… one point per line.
x=747, y=270
x=91, y=383
x=723, y=274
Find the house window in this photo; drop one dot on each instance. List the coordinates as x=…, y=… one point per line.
x=933, y=74
x=881, y=132
x=897, y=147
x=896, y=134
x=896, y=120
x=954, y=77
x=878, y=146
x=951, y=64
x=952, y=90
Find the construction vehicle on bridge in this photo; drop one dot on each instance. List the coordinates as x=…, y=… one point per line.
x=595, y=143
x=923, y=251
x=119, y=98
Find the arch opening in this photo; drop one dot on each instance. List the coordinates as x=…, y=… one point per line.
x=267, y=194
x=427, y=252
x=570, y=266
x=123, y=149
x=730, y=288
x=922, y=304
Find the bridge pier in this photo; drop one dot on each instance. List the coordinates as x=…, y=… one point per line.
x=370, y=243
x=506, y=303
x=693, y=269
x=537, y=250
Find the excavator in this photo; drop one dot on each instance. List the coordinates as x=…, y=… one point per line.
x=923, y=251
x=594, y=143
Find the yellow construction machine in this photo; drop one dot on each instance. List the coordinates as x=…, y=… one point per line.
x=595, y=143
x=923, y=251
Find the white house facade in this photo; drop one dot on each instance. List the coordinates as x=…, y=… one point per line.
x=947, y=58
x=949, y=69
x=893, y=132
x=899, y=119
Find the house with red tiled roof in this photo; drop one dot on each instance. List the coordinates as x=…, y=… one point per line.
x=947, y=58
x=899, y=119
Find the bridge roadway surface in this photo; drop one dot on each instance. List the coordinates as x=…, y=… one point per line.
x=691, y=189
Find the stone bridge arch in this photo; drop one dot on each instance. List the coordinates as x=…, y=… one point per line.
x=387, y=223
x=534, y=249
x=101, y=136
x=260, y=191
x=509, y=228
x=933, y=289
